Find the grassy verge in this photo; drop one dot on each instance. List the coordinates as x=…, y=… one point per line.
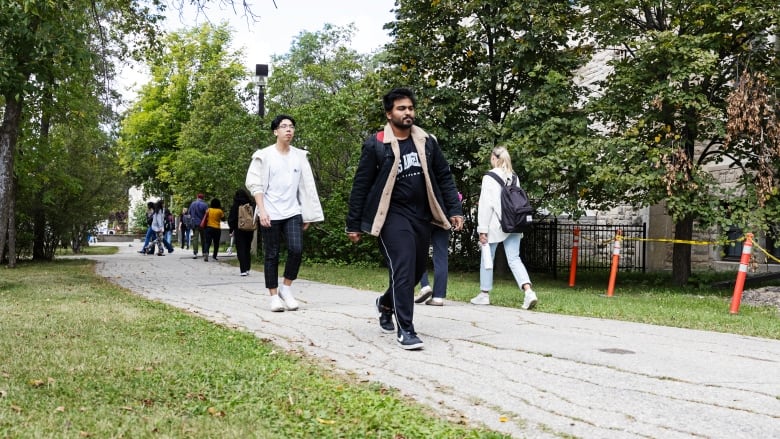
x=643, y=298
x=80, y=357
x=88, y=250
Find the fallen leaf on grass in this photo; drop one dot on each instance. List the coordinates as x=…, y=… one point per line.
x=216, y=413
x=16, y=408
x=503, y=419
x=325, y=421
x=60, y=409
x=85, y=434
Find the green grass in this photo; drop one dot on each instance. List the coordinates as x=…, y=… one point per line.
x=643, y=298
x=86, y=251
x=80, y=357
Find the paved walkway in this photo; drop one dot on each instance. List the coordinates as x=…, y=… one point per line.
x=528, y=374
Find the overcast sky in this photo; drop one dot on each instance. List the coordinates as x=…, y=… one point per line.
x=276, y=27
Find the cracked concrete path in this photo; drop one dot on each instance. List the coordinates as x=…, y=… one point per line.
x=527, y=374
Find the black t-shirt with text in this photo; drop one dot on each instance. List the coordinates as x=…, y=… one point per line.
x=409, y=197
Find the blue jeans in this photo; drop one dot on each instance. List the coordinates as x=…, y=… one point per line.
x=150, y=235
x=512, y=251
x=185, y=237
x=167, y=240
x=440, y=240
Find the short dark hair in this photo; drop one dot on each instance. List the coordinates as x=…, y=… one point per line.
x=393, y=95
x=215, y=204
x=278, y=119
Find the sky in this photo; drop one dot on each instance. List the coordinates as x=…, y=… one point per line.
x=276, y=27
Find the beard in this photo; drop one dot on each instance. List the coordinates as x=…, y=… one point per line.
x=405, y=122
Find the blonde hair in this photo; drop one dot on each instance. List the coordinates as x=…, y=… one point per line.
x=504, y=161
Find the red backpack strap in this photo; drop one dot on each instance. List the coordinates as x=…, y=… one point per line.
x=380, y=147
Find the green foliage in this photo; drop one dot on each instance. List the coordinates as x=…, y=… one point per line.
x=190, y=131
x=487, y=72
x=667, y=96
x=139, y=224
x=58, y=59
x=332, y=92
x=67, y=175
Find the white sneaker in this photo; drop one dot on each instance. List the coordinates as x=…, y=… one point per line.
x=481, y=299
x=276, y=303
x=244, y=273
x=229, y=251
x=287, y=297
x=529, y=302
x=425, y=293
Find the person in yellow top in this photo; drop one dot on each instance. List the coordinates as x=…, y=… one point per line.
x=213, y=231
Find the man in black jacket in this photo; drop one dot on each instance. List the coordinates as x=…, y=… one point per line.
x=402, y=187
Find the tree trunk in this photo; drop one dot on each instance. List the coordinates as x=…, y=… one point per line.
x=39, y=217
x=681, y=253
x=9, y=135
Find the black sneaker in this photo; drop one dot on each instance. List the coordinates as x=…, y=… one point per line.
x=408, y=341
x=385, y=318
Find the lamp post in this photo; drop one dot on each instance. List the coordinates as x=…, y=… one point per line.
x=261, y=71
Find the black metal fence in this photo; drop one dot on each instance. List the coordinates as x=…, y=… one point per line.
x=547, y=248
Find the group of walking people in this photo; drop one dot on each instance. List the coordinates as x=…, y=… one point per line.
x=403, y=193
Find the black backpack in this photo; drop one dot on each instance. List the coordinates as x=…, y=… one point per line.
x=516, y=210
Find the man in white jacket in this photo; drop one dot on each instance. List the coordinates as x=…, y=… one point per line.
x=282, y=183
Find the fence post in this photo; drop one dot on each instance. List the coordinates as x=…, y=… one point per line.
x=574, y=251
x=744, y=260
x=615, y=263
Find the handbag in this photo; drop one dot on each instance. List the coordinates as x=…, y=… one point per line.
x=204, y=221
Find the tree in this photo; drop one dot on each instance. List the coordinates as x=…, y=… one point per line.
x=664, y=104
x=188, y=119
x=69, y=177
x=43, y=43
x=479, y=68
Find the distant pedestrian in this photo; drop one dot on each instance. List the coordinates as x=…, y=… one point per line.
x=213, y=229
x=197, y=211
x=184, y=229
x=242, y=238
x=170, y=224
x=148, y=247
x=282, y=182
x=490, y=232
x=158, y=226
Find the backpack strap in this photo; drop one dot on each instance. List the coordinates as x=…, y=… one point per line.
x=498, y=179
x=380, y=147
x=501, y=181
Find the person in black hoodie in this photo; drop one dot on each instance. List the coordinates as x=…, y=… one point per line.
x=242, y=238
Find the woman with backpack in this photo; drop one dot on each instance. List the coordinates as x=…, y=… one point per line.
x=491, y=232
x=243, y=237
